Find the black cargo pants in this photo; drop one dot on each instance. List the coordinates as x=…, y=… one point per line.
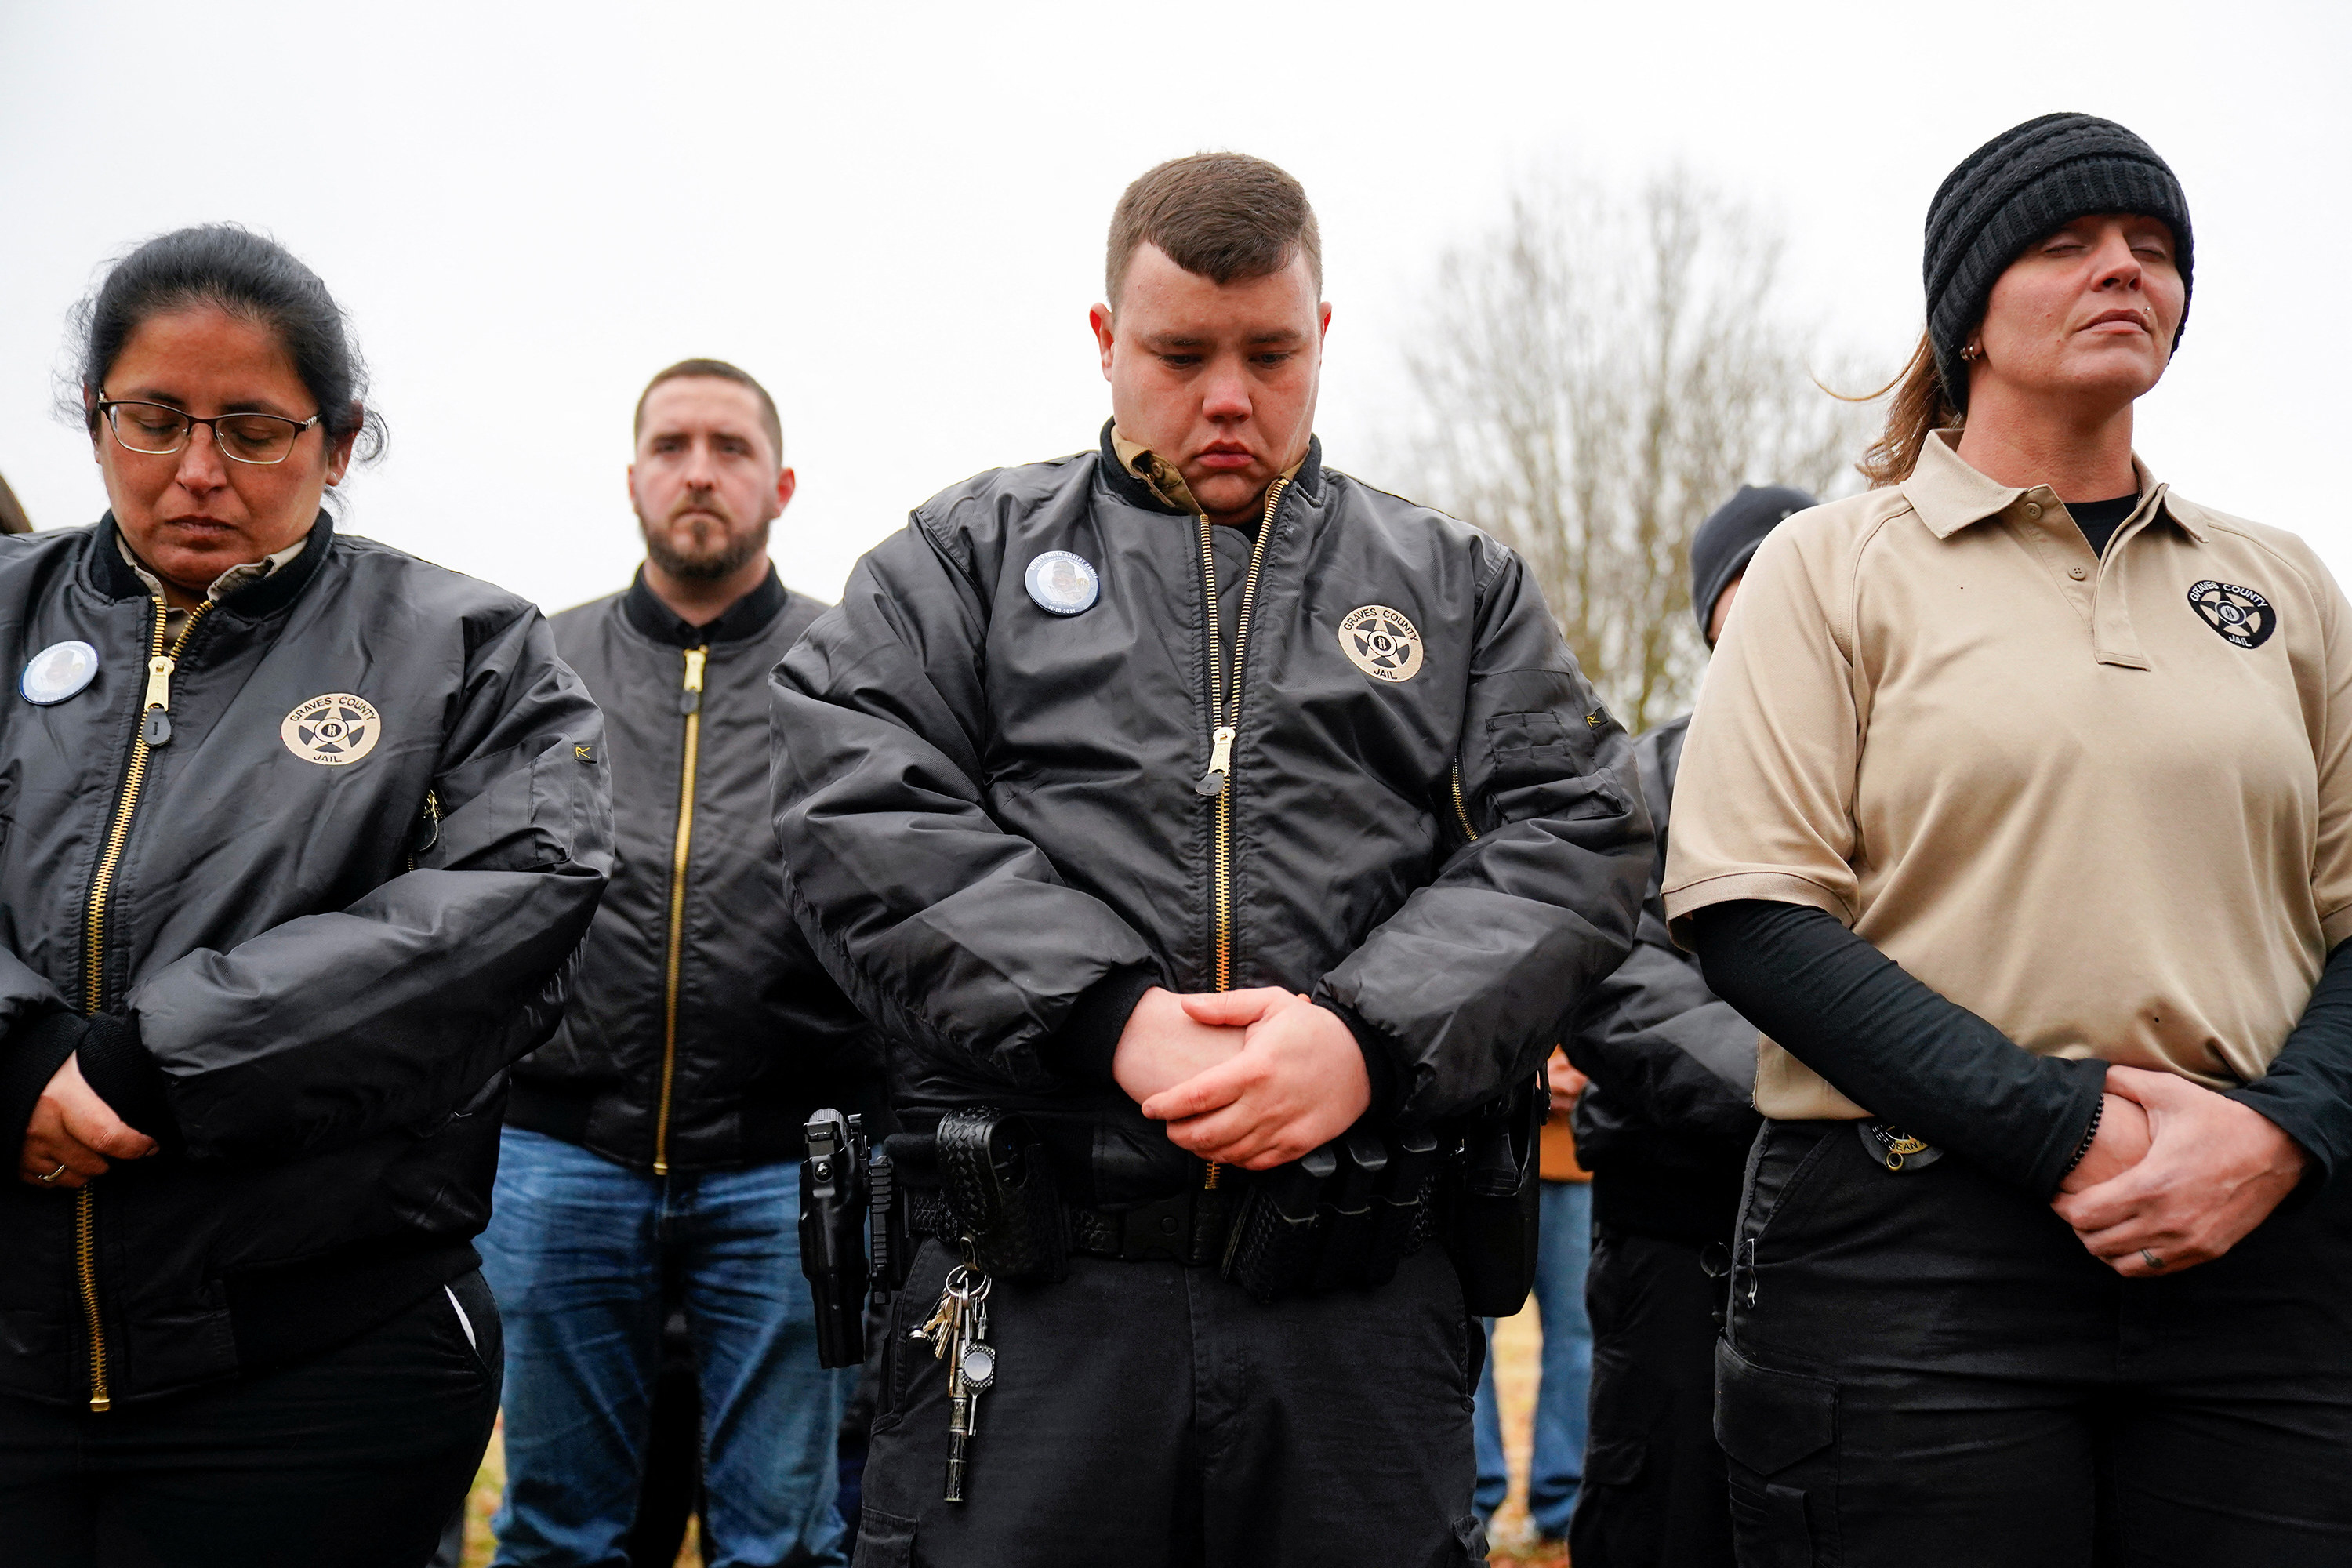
x=352, y=1457
x=1151, y=1415
x=1655, y=1494
x=1925, y=1367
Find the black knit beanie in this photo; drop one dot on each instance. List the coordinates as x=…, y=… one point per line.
x=1724, y=542
x=2025, y=183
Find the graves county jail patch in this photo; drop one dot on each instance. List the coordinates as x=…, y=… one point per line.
x=2241, y=616
x=1382, y=642
x=334, y=731
x=1063, y=582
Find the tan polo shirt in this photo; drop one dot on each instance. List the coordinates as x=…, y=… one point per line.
x=2103, y=804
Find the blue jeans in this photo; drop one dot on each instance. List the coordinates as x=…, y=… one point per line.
x=576, y=1251
x=1562, y=1250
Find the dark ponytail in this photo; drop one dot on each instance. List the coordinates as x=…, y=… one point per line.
x=248, y=276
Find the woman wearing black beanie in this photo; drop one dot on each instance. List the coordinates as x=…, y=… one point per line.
x=2017, y=815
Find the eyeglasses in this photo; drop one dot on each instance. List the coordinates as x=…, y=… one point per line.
x=159, y=430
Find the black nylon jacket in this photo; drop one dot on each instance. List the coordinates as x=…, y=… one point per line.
x=318, y=1033
x=763, y=1036
x=993, y=839
x=1664, y=1127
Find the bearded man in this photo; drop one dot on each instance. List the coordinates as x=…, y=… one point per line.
x=653, y=1144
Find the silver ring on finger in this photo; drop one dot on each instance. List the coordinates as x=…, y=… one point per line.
x=2154, y=1264
x=53, y=1175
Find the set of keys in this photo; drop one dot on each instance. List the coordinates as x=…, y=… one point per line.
x=957, y=1334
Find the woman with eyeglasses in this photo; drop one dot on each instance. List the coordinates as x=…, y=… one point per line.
x=2017, y=815
x=298, y=834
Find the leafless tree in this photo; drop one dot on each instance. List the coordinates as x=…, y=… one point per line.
x=1595, y=376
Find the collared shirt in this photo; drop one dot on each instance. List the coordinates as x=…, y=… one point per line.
x=747, y=617
x=1162, y=475
x=1231, y=547
x=2102, y=802
x=175, y=618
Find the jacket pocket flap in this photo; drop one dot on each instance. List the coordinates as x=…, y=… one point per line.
x=1768, y=1420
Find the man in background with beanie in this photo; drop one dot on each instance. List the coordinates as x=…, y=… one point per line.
x=652, y=1148
x=1664, y=1127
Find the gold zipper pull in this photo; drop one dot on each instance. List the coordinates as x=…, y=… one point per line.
x=1212, y=784
x=155, y=729
x=690, y=698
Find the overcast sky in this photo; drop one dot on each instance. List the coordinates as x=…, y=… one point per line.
x=894, y=216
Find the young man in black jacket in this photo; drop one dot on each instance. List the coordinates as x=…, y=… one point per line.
x=1664, y=1127
x=1197, y=802
x=655, y=1140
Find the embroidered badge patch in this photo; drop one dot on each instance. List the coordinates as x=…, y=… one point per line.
x=1063, y=582
x=2241, y=616
x=334, y=731
x=56, y=672
x=1382, y=642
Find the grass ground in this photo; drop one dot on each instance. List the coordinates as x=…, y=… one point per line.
x=1517, y=1340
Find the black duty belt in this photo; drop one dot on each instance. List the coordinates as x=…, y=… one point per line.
x=1190, y=1228
x=1343, y=1216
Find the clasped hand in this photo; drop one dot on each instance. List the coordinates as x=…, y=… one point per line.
x=2177, y=1173
x=72, y=1127
x=1254, y=1079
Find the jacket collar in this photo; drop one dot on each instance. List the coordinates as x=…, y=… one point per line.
x=1948, y=495
x=117, y=579
x=746, y=617
x=1133, y=486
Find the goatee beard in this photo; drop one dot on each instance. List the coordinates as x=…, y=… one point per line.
x=735, y=553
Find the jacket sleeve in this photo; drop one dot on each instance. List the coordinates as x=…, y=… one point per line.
x=947, y=932
x=31, y=1054
x=396, y=1011
x=1655, y=1039
x=1466, y=988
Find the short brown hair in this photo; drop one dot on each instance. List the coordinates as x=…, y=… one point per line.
x=1222, y=215
x=720, y=370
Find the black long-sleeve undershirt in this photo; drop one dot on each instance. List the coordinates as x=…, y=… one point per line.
x=1887, y=1041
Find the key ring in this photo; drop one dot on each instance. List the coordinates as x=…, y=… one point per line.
x=973, y=1287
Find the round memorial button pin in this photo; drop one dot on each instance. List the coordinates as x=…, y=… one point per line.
x=56, y=672
x=1063, y=582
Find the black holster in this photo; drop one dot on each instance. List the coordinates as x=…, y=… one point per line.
x=834, y=1200
x=998, y=1183
x=1498, y=1206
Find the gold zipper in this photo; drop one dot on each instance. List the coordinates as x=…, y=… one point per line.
x=1224, y=721
x=692, y=701
x=432, y=814
x=155, y=729
x=1461, y=807
x=1224, y=718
